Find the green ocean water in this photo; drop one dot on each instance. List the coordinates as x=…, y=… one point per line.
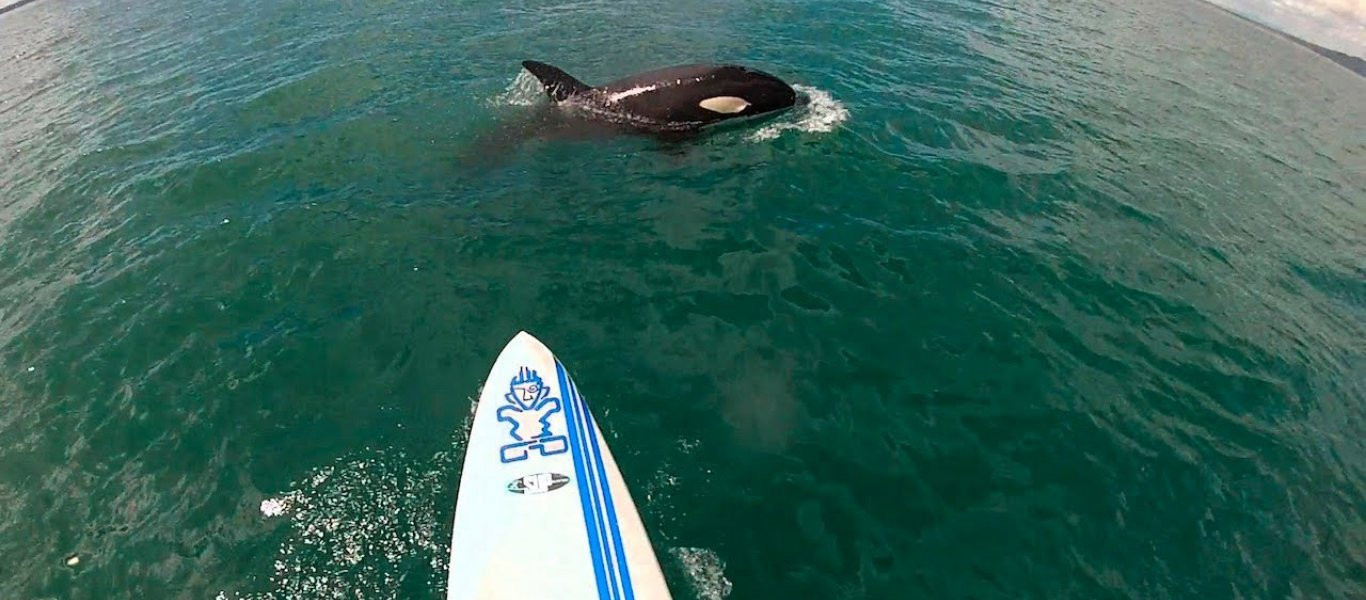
x=1033, y=300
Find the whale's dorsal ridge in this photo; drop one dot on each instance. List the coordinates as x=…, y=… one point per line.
x=558, y=84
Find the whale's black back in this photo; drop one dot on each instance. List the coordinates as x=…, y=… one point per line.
x=673, y=96
x=682, y=73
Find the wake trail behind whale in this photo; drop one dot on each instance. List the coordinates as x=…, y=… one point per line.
x=524, y=90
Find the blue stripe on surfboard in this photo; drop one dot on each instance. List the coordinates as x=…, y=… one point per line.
x=623, y=571
x=597, y=485
x=585, y=496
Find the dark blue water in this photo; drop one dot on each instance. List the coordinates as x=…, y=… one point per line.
x=1032, y=300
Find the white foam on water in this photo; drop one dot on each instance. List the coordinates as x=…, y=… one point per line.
x=362, y=527
x=706, y=572
x=821, y=114
x=274, y=507
x=356, y=528
x=525, y=90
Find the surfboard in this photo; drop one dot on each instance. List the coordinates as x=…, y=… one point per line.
x=542, y=511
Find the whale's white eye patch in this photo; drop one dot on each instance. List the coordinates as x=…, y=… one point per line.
x=724, y=104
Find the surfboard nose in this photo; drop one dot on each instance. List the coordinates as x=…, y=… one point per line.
x=525, y=346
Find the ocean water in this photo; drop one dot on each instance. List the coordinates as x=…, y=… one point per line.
x=1032, y=299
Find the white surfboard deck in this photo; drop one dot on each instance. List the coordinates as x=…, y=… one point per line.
x=542, y=511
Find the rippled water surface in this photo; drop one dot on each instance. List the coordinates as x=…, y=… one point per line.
x=1033, y=299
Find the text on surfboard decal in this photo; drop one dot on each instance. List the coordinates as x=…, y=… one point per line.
x=528, y=410
x=539, y=483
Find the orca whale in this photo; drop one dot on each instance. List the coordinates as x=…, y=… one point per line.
x=676, y=100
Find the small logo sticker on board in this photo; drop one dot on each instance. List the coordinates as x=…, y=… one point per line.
x=539, y=483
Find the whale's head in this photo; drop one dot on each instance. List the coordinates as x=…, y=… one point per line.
x=736, y=91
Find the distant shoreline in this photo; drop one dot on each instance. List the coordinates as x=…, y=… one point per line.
x=1352, y=63
x=4, y=8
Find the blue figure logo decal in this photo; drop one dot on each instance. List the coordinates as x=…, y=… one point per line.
x=528, y=411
